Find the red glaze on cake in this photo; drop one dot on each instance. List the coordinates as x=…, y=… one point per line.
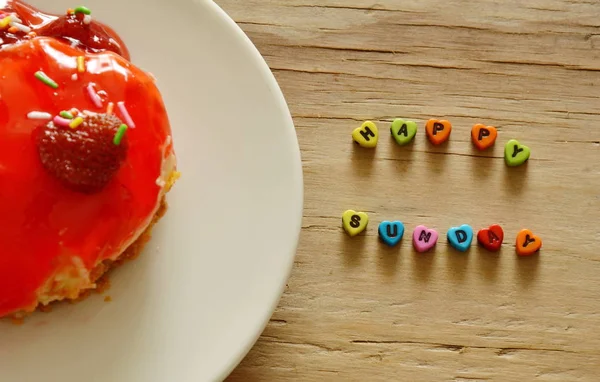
x=52, y=235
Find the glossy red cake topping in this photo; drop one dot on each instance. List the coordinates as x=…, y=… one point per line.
x=71, y=28
x=71, y=189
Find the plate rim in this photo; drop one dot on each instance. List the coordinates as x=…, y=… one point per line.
x=249, y=342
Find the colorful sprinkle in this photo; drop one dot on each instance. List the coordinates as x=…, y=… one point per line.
x=93, y=95
x=74, y=77
x=110, y=108
x=46, y=80
x=120, y=134
x=39, y=115
x=13, y=29
x=82, y=9
x=87, y=19
x=59, y=121
x=5, y=21
x=81, y=64
x=125, y=114
x=20, y=27
x=175, y=176
x=76, y=122
x=70, y=11
x=66, y=114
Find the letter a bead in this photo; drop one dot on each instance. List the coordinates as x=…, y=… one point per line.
x=367, y=135
x=491, y=238
x=403, y=131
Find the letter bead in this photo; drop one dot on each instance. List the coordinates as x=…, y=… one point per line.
x=460, y=237
x=354, y=222
x=528, y=243
x=424, y=238
x=391, y=233
x=367, y=135
x=437, y=131
x=403, y=131
x=491, y=238
x=483, y=136
x=515, y=154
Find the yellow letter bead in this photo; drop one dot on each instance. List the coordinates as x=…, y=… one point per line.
x=354, y=222
x=367, y=135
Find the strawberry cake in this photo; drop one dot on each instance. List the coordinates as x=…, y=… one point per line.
x=86, y=155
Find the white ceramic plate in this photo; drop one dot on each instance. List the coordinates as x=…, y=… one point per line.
x=195, y=302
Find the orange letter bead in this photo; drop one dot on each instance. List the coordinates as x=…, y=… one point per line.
x=437, y=131
x=484, y=136
x=528, y=243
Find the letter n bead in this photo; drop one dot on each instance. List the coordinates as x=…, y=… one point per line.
x=424, y=239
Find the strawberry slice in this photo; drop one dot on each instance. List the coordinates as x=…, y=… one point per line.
x=84, y=159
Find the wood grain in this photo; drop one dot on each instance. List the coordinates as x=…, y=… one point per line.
x=357, y=311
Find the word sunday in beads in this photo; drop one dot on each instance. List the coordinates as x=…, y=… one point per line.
x=424, y=239
x=438, y=132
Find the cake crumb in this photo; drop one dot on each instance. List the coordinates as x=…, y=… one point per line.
x=102, y=284
x=18, y=320
x=45, y=308
x=175, y=175
x=107, y=299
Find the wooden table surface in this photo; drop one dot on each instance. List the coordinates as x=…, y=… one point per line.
x=355, y=310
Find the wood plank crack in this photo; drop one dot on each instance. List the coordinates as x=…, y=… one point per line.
x=460, y=348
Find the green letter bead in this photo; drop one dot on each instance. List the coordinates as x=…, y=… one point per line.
x=515, y=154
x=403, y=131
